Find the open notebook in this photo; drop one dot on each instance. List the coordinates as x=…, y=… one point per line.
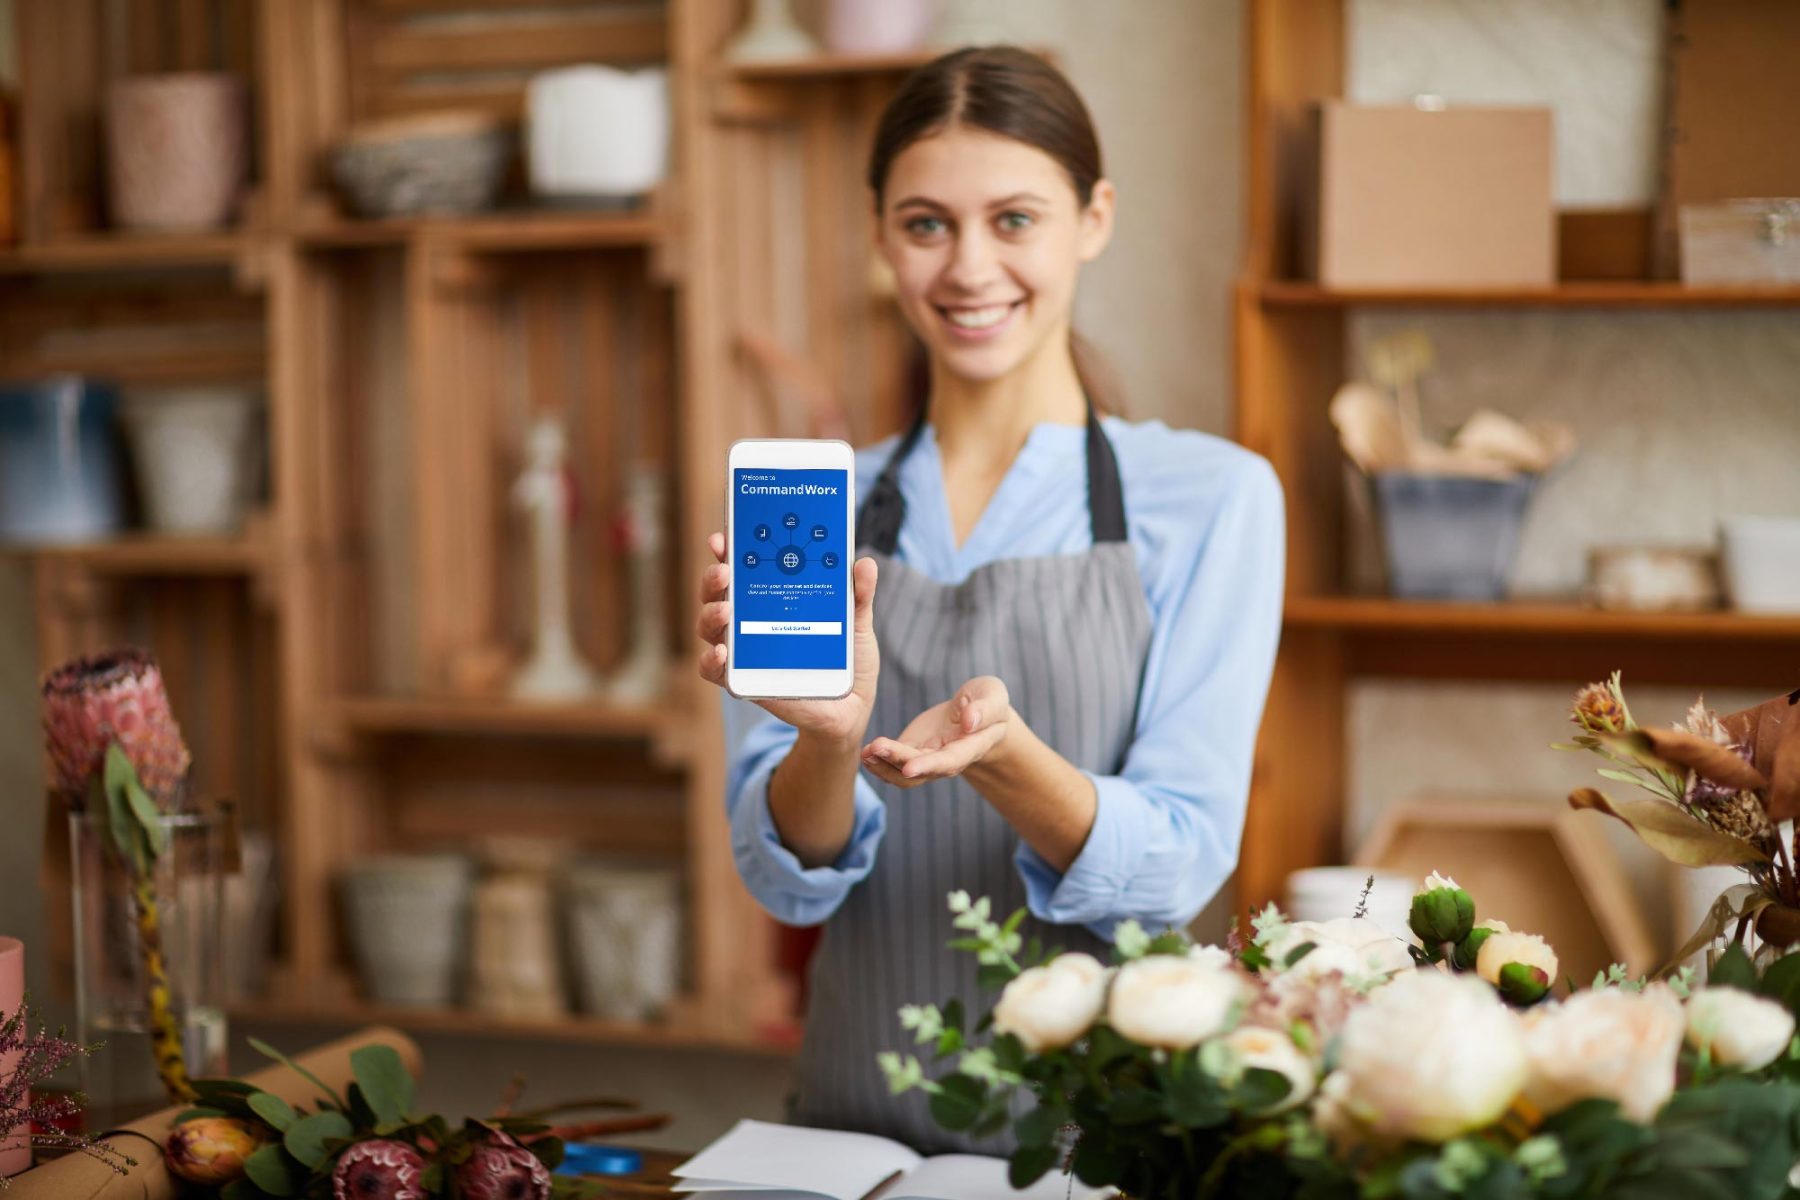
x=759, y=1161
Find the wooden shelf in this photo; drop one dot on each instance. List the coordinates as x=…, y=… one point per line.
x=826, y=66
x=1281, y=293
x=502, y=717
x=504, y=231
x=126, y=252
x=150, y=554
x=672, y=1034
x=1565, y=619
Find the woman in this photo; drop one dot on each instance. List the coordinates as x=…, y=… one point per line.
x=1057, y=693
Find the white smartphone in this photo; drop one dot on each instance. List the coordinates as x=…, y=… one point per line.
x=791, y=534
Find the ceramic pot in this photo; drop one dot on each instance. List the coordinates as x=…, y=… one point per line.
x=625, y=938
x=177, y=150
x=597, y=134
x=15, y=1152
x=879, y=26
x=194, y=449
x=408, y=917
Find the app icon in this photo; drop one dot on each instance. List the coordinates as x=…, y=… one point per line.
x=791, y=521
x=751, y=559
x=820, y=533
x=762, y=533
x=830, y=560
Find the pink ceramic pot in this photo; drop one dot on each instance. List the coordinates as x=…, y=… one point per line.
x=879, y=26
x=177, y=150
x=15, y=1153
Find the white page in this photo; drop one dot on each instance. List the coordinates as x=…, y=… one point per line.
x=825, y=1162
x=972, y=1177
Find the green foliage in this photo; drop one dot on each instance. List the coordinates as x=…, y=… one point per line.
x=384, y=1082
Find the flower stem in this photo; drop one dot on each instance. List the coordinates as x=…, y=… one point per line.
x=165, y=1036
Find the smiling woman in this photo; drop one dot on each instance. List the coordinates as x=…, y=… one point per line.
x=1057, y=693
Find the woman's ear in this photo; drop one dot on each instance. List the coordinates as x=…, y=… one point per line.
x=1097, y=221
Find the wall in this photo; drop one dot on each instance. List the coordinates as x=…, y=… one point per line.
x=1683, y=417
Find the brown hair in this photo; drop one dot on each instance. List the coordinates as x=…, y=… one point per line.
x=1011, y=92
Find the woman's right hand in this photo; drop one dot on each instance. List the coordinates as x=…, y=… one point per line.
x=841, y=722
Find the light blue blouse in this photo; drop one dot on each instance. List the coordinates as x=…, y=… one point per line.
x=1205, y=518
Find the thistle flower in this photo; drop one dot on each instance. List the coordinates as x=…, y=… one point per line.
x=1599, y=708
x=378, y=1169
x=92, y=702
x=501, y=1169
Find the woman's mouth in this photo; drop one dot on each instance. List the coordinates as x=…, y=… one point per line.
x=978, y=323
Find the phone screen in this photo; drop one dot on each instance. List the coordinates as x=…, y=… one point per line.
x=790, y=568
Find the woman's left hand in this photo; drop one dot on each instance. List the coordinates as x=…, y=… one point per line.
x=946, y=739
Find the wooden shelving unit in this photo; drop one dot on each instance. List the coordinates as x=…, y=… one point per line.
x=1290, y=336
x=340, y=666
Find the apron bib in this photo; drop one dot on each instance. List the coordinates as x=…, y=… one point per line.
x=1068, y=634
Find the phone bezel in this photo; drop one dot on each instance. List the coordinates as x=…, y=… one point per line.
x=791, y=454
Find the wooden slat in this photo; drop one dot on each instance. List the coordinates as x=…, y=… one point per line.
x=1575, y=294
x=402, y=49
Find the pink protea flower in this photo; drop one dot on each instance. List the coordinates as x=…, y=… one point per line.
x=378, y=1169
x=501, y=1169
x=114, y=697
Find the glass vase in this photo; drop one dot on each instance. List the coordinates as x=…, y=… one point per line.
x=113, y=985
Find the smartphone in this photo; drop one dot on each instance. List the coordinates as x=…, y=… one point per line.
x=791, y=533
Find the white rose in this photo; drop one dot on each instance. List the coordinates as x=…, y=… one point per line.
x=1741, y=1030
x=1050, y=1006
x=1507, y=947
x=1609, y=1044
x=1428, y=1057
x=1174, y=1003
x=1271, y=1050
x=1212, y=956
x=1356, y=946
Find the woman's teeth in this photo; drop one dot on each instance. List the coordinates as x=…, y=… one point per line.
x=978, y=318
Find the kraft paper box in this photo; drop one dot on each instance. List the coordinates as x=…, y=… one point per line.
x=1415, y=197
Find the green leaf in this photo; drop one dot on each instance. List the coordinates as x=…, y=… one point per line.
x=1781, y=982
x=1012, y=923
x=431, y=1179
x=1733, y=969
x=358, y=1110
x=1038, y=1127
x=1260, y=1090
x=549, y=1151
x=1298, y=952
x=1097, y=1164
x=242, y=1189
x=278, y=1113
x=957, y=1103
x=267, y=1051
x=953, y=1015
x=1030, y=1164
x=143, y=810
x=1191, y=1097
x=121, y=826
x=1134, y=1106
x=1168, y=942
x=384, y=1082
x=306, y=1137
x=994, y=975
x=274, y=1171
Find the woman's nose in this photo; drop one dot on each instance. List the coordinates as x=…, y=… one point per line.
x=974, y=262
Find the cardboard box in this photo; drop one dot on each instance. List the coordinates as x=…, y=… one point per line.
x=1414, y=197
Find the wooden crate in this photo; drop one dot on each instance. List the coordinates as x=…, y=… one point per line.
x=1543, y=870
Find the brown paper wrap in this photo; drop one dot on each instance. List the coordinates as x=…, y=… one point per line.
x=80, y=1177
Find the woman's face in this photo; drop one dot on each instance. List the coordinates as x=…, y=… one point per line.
x=986, y=236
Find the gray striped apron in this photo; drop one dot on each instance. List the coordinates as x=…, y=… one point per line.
x=1068, y=634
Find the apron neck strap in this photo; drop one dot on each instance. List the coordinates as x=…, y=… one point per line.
x=883, y=512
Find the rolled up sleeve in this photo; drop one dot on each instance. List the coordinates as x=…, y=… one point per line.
x=1168, y=826
x=791, y=893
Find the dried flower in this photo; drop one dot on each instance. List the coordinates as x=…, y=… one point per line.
x=40, y=1055
x=1740, y=814
x=92, y=702
x=1599, y=708
x=502, y=1169
x=210, y=1150
x=378, y=1169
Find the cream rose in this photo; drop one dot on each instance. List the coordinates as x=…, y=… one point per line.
x=1174, y=1003
x=1504, y=949
x=1608, y=1044
x=1356, y=947
x=1740, y=1030
x=1429, y=1056
x=1050, y=1006
x=1271, y=1050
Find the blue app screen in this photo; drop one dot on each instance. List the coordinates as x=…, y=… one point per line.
x=788, y=571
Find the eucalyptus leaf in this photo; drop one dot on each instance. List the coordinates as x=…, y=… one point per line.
x=958, y=1102
x=267, y=1051
x=273, y=1109
x=306, y=1137
x=1038, y=1127
x=1029, y=1164
x=384, y=1082
x=275, y=1171
x=1733, y=969
x=143, y=810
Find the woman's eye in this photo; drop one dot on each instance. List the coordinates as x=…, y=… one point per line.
x=925, y=226
x=1016, y=222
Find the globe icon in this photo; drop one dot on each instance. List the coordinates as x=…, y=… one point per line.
x=790, y=560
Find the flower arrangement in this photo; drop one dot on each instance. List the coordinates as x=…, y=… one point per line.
x=1335, y=1059
x=370, y=1144
x=116, y=749
x=41, y=1054
x=1720, y=790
